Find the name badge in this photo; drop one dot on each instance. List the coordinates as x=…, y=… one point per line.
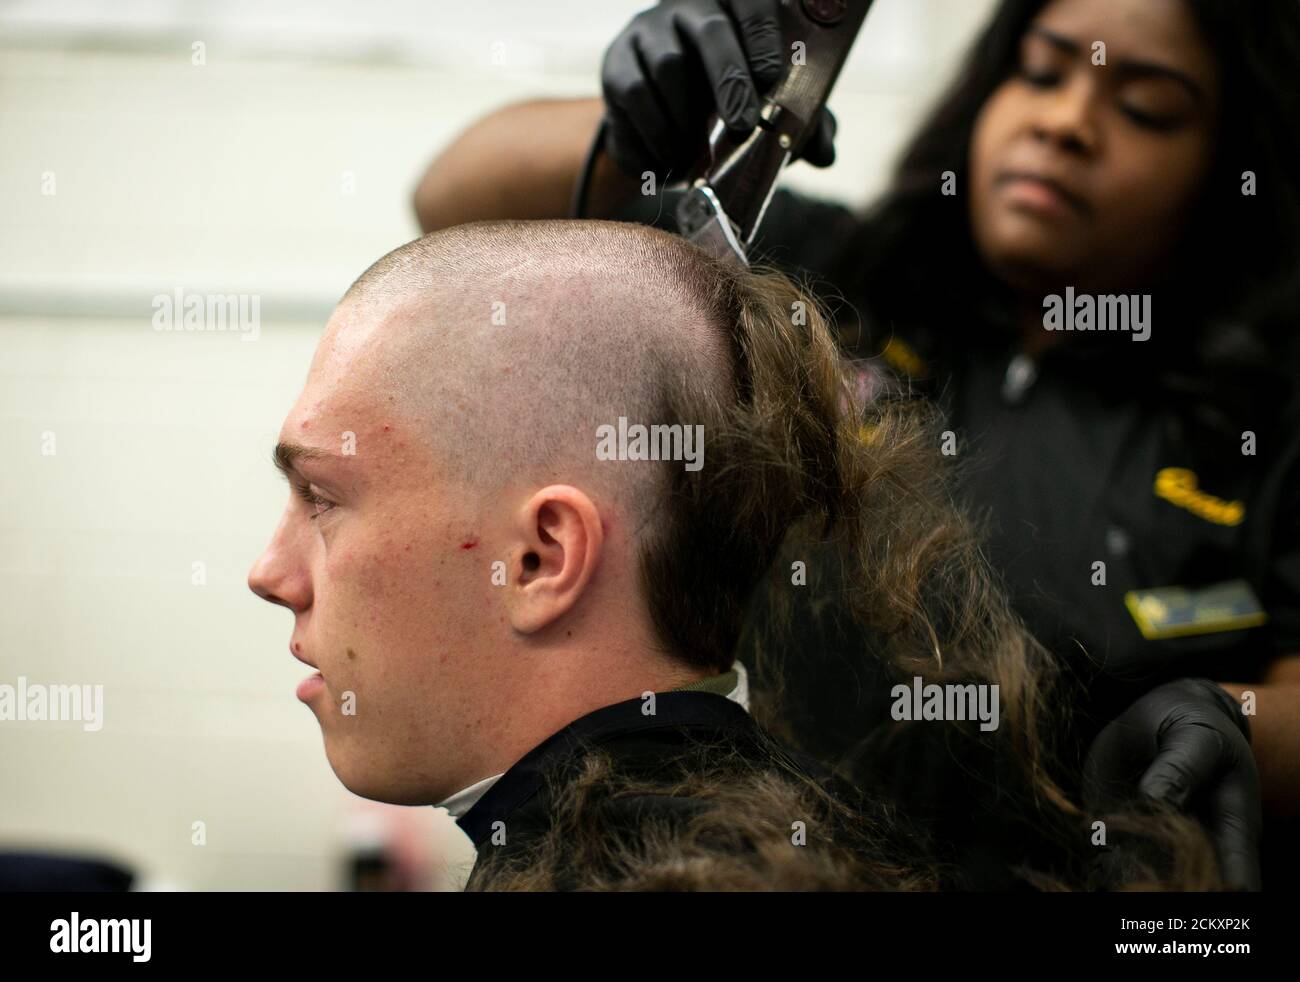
x=1176, y=611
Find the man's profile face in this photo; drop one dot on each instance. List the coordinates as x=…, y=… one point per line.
x=385, y=575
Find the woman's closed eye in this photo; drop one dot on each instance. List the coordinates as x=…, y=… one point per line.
x=1156, y=103
x=1153, y=121
x=1046, y=78
x=1040, y=78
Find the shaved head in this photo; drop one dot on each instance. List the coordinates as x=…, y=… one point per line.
x=509, y=343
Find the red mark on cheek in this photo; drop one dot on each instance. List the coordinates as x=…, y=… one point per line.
x=387, y=427
x=470, y=544
x=306, y=423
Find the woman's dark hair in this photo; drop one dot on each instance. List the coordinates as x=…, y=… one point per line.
x=1238, y=262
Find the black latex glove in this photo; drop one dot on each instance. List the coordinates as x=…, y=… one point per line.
x=1188, y=744
x=677, y=63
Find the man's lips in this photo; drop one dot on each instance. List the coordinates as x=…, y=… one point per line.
x=313, y=683
x=1048, y=189
x=309, y=686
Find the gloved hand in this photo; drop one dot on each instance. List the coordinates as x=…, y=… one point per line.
x=676, y=63
x=1188, y=744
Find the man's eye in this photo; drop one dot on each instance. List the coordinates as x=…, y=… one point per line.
x=306, y=494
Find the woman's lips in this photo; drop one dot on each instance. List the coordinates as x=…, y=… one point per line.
x=310, y=686
x=1040, y=195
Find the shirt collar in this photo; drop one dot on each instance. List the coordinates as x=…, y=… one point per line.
x=464, y=799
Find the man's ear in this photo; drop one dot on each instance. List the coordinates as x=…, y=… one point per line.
x=558, y=546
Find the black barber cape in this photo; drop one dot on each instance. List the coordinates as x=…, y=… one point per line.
x=516, y=812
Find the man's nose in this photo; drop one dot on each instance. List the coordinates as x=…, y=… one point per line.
x=278, y=575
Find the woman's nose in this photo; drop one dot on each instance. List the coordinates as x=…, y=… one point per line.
x=1068, y=117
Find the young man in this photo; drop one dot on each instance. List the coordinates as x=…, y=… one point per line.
x=490, y=580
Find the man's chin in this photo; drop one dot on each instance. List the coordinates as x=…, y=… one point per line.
x=358, y=774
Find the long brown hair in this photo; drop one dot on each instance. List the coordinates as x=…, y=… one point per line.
x=799, y=464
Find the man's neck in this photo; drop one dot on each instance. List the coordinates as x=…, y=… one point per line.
x=732, y=684
x=557, y=700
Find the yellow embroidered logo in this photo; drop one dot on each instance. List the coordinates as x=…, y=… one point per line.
x=901, y=356
x=1177, y=485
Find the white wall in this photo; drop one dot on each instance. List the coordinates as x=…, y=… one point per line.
x=227, y=178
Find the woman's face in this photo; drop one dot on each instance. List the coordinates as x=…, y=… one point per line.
x=1083, y=174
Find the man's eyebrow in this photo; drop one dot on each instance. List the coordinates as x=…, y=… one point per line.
x=1137, y=69
x=285, y=456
